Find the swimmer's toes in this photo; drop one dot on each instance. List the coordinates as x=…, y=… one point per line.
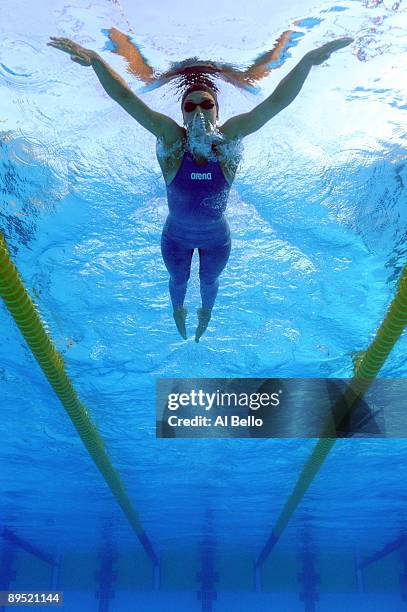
x=180, y=315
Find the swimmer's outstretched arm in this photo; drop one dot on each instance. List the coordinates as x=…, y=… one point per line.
x=283, y=95
x=158, y=124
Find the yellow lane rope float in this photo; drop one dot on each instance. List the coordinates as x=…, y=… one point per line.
x=366, y=369
x=25, y=314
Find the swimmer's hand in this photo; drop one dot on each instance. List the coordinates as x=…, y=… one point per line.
x=78, y=54
x=320, y=55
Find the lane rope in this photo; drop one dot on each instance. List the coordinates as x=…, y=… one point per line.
x=366, y=369
x=27, y=318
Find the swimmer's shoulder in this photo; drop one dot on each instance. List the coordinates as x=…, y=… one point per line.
x=229, y=153
x=170, y=149
x=170, y=143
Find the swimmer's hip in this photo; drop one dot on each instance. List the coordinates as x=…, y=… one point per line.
x=197, y=233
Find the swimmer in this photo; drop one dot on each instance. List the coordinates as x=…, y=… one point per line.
x=199, y=162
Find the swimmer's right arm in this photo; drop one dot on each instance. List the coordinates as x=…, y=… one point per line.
x=116, y=87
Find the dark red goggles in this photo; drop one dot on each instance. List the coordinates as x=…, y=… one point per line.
x=205, y=104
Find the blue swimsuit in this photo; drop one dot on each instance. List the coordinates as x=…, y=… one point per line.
x=197, y=199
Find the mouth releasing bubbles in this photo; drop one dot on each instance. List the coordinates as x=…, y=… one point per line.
x=201, y=136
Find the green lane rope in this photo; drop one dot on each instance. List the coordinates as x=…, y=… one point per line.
x=366, y=369
x=25, y=315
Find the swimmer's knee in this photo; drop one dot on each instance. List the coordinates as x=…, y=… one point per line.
x=180, y=279
x=208, y=279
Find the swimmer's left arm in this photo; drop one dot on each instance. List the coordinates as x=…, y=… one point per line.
x=283, y=95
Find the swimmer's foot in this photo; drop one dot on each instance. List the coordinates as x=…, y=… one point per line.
x=204, y=316
x=180, y=315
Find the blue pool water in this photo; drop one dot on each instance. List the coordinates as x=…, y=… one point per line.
x=318, y=219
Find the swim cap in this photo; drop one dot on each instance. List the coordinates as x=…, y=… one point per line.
x=201, y=87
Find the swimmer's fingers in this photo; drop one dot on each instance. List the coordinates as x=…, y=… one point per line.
x=78, y=54
x=63, y=44
x=337, y=44
x=320, y=55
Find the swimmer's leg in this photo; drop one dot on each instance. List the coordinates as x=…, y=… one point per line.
x=180, y=317
x=211, y=263
x=177, y=259
x=204, y=316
